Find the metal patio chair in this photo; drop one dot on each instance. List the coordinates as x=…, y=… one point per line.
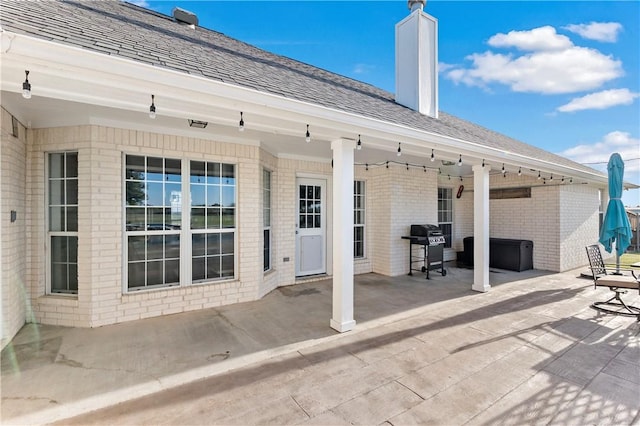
x=619, y=284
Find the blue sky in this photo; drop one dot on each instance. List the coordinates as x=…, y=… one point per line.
x=560, y=75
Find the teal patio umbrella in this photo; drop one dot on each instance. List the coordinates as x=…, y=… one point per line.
x=616, y=227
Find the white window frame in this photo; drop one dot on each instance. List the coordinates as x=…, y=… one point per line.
x=185, y=232
x=363, y=211
x=267, y=206
x=49, y=233
x=441, y=212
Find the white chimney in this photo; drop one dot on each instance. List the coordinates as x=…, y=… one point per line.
x=417, y=61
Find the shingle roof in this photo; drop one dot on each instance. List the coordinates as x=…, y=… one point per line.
x=121, y=29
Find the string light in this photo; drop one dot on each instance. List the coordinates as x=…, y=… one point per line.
x=503, y=170
x=433, y=157
x=425, y=168
x=241, y=124
x=460, y=161
x=551, y=178
x=359, y=145
x=460, y=178
x=399, y=150
x=562, y=180
x=367, y=167
x=152, y=108
x=539, y=177
x=387, y=164
x=26, y=86
x=307, y=136
x=483, y=162
x=519, y=171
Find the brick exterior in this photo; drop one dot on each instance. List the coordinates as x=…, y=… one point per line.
x=395, y=199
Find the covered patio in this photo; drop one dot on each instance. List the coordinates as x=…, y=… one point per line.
x=422, y=352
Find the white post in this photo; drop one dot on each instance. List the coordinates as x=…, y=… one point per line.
x=481, y=228
x=342, y=318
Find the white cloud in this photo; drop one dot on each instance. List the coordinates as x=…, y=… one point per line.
x=600, y=100
x=553, y=64
x=600, y=31
x=363, y=68
x=597, y=154
x=543, y=38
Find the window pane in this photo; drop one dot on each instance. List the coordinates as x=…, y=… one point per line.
x=228, y=174
x=72, y=191
x=155, y=273
x=198, y=244
x=303, y=221
x=317, y=221
x=213, y=267
x=227, y=266
x=72, y=243
x=135, y=218
x=228, y=196
x=226, y=243
x=198, y=269
x=173, y=218
x=56, y=219
x=56, y=192
x=136, y=195
x=213, y=173
x=155, y=169
x=72, y=219
x=71, y=165
x=135, y=167
x=155, y=247
x=56, y=165
x=59, y=251
x=172, y=247
x=155, y=219
x=172, y=171
x=172, y=271
x=266, y=217
x=303, y=192
x=213, y=218
x=317, y=192
x=228, y=218
x=198, y=195
x=136, y=274
x=136, y=248
x=59, y=275
x=213, y=196
x=155, y=194
x=73, y=278
x=173, y=196
x=198, y=172
x=213, y=244
x=197, y=218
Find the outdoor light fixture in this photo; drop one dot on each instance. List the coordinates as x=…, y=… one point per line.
x=359, y=145
x=433, y=157
x=399, y=150
x=241, y=124
x=152, y=108
x=198, y=124
x=307, y=136
x=26, y=86
x=503, y=170
x=539, y=175
x=460, y=161
x=519, y=171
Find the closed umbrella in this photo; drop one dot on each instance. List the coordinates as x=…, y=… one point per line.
x=616, y=227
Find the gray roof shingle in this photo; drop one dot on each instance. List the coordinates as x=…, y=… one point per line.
x=121, y=29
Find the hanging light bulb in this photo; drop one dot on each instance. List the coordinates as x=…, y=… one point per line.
x=519, y=171
x=152, y=108
x=399, y=150
x=359, y=145
x=449, y=177
x=241, y=124
x=539, y=177
x=407, y=164
x=387, y=164
x=460, y=161
x=425, y=168
x=307, y=136
x=433, y=157
x=551, y=178
x=366, y=167
x=562, y=180
x=26, y=86
x=460, y=178
x=503, y=170
x=571, y=180
x=483, y=162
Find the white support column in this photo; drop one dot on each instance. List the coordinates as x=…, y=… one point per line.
x=342, y=318
x=481, y=228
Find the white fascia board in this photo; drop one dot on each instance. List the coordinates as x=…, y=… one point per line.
x=126, y=84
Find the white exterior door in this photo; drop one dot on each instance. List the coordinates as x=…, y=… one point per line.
x=311, y=238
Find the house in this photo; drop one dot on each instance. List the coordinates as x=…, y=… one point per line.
x=151, y=166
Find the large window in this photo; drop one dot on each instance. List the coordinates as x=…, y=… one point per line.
x=445, y=213
x=62, y=213
x=153, y=221
x=156, y=213
x=358, y=218
x=213, y=206
x=266, y=218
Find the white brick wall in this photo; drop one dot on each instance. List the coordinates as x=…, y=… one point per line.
x=13, y=248
x=579, y=210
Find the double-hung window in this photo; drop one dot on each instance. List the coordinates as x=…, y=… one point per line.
x=62, y=213
x=213, y=207
x=153, y=221
x=445, y=214
x=358, y=218
x=160, y=233
x=266, y=218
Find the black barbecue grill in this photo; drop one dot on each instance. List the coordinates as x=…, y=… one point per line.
x=430, y=254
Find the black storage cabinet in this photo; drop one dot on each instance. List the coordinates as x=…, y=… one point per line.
x=504, y=253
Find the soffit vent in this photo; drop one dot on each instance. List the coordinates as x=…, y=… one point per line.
x=185, y=17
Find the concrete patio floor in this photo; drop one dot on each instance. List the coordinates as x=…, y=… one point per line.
x=530, y=351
